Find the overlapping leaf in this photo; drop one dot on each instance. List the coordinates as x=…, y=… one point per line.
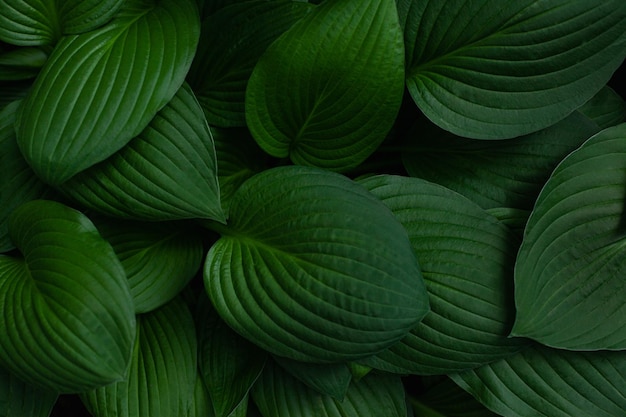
x=508, y=173
x=66, y=313
x=606, y=108
x=278, y=394
x=41, y=22
x=490, y=69
x=545, y=382
x=328, y=379
x=162, y=374
x=314, y=268
x=467, y=259
x=21, y=64
x=232, y=40
x=159, y=258
x=100, y=89
x=326, y=92
x=569, y=275
x=168, y=172
x=18, y=399
x=446, y=399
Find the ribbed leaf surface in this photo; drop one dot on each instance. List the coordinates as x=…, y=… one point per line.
x=232, y=40
x=490, y=69
x=606, y=109
x=18, y=399
x=66, y=313
x=168, y=172
x=467, y=259
x=326, y=92
x=329, y=379
x=163, y=370
x=21, y=64
x=100, y=89
x=41, y=22
x=545, y=382
x=569, y=275
x=313, y=267
x=278, y=394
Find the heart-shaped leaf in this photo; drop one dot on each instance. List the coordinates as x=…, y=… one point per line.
x=162, y=375
x=67, y=321
x=504, y=173
x=278, y=394
x=569, y=275
x=545, y=382
x=159, y=258
x=491, y=69
x=18, y=399
x=467, y=259
x=100, y=89
x=168, y=172
x=327, y=91
x=232, y=40
x=41, y=22
x=314, y=268
x=606, y=109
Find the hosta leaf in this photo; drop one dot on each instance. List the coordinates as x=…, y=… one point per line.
x=66, y=314
x=314, y=268
x=168, y=172
x=159, y=258
x=467, y=259
x=201, y=406
x=329, y=379
x=41, y=22
x=490, y=69
x=162, y=375
x=100, y=89
x=232, y=40
x=507, y=173
x=606, y=108
x=229, y=365
x=19, y=183
x=327, y=91
x=18, y=399
x=12, y=91
x=278, y=394
x=544, y=382
x=21, y=63
x=446, y=399
x=569, y=289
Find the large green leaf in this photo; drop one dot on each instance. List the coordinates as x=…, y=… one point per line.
x=100, y=89
x=545, y=382
x=569, y=275
x=467, y=259
x=327, y=91
x=278, y=394
x=232, y=40
x=162, y=376
x=314, y=268
x=229, y=365
x=41, y=22
x=606, y=108
x=506, y=173
x=159, y=258
x=66, y=313
x=18, y=399
x=493, y=69
x=329, y=379
x=19, y=183
x=167, y=172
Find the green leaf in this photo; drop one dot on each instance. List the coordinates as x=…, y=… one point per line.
x=201, y=406
x=18, y=399
x=314, y=268
x=22, y=63
x=163, y=371
x=12, y=91
x=232, y=40
x=467, y=259
x=544, y=382
x=19, y=183
x=327, y=91
x=168, y=172
x=229, y=365
x=66, y=314
x=278, y=394
x=569, y=275
x=100, y=89
x=506, y=173
x=606, y=108
x=329, y=379
x=159, y=258
x=491, y=69
x=42, y=22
